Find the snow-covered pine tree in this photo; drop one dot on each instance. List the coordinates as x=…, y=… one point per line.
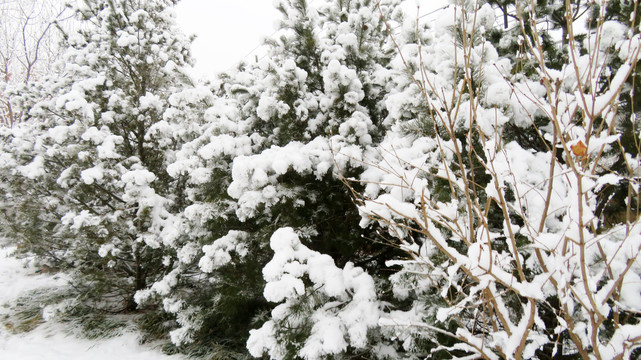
x=280, y=134
x=498, y=202
x=613, y=205
x=327, y=304
x=89, y=188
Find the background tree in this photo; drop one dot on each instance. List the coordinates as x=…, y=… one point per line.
x=28, y=46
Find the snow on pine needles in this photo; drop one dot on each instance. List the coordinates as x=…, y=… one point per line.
x=53, y=340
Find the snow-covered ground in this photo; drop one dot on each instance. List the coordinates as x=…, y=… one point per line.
x=51, y=341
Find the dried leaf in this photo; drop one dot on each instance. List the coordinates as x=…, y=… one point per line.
x=579, y=149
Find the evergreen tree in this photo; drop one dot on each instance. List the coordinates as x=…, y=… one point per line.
x=89, y=188
x=279, y=135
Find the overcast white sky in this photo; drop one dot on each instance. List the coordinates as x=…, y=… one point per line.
x=228, y=30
